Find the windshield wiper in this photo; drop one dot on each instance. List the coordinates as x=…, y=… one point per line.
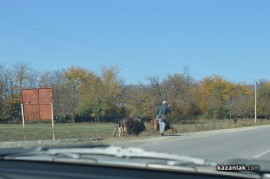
x=94, y=152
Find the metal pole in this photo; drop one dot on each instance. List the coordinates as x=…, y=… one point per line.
x=24, y=136
x=255, y=107
x=53, y=130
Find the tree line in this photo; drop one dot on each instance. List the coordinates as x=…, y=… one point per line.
x=79, y=94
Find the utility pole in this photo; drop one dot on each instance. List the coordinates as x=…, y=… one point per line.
x=255, y=107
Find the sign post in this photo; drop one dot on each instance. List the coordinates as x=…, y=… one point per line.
x=53, y=130
x=255, y=107
x=24, y=136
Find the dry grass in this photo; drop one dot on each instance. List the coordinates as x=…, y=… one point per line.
x=205, y=125
x=43, y=131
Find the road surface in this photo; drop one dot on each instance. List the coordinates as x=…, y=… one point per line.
x=217, y=146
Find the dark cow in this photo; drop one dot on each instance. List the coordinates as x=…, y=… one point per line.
x=129, y=126
x=154, y=123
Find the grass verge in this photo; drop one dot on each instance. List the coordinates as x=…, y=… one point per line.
x=43, y=131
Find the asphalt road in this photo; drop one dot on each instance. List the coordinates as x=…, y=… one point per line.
x=217, y=146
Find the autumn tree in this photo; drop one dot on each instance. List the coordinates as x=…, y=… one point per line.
x=12, y=81
x=263, y=99
x=139, y=100
x=4, y=91
x=181, y=93
x=157, y=88
x=61, y=92
x=238, y=100
x=79, y=92
x=76, y=77
x=98, y=94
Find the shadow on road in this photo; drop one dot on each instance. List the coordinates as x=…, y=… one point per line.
x=171, y=135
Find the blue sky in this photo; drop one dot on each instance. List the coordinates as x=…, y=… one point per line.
x=143, y=37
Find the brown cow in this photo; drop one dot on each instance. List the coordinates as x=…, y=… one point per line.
x=154, y=123
x=129, y=125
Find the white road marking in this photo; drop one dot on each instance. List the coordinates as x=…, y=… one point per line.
x=261, y=154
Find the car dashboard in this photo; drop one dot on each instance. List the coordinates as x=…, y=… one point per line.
x=102, y=162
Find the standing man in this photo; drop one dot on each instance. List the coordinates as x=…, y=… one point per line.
x=162, y=116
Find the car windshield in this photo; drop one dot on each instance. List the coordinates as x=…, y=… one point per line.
x=188, y=78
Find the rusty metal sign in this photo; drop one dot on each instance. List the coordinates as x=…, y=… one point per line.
x=45, y=95
x=37, y=103
x=45, y=111
x=30, y=96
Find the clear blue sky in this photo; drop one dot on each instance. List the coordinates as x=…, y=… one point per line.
x=143, y=37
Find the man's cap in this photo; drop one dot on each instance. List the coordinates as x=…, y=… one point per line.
x=163, y=102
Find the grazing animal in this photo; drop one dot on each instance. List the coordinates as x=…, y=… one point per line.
x=117, y=127
x=154, y=123
x=129, y=126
